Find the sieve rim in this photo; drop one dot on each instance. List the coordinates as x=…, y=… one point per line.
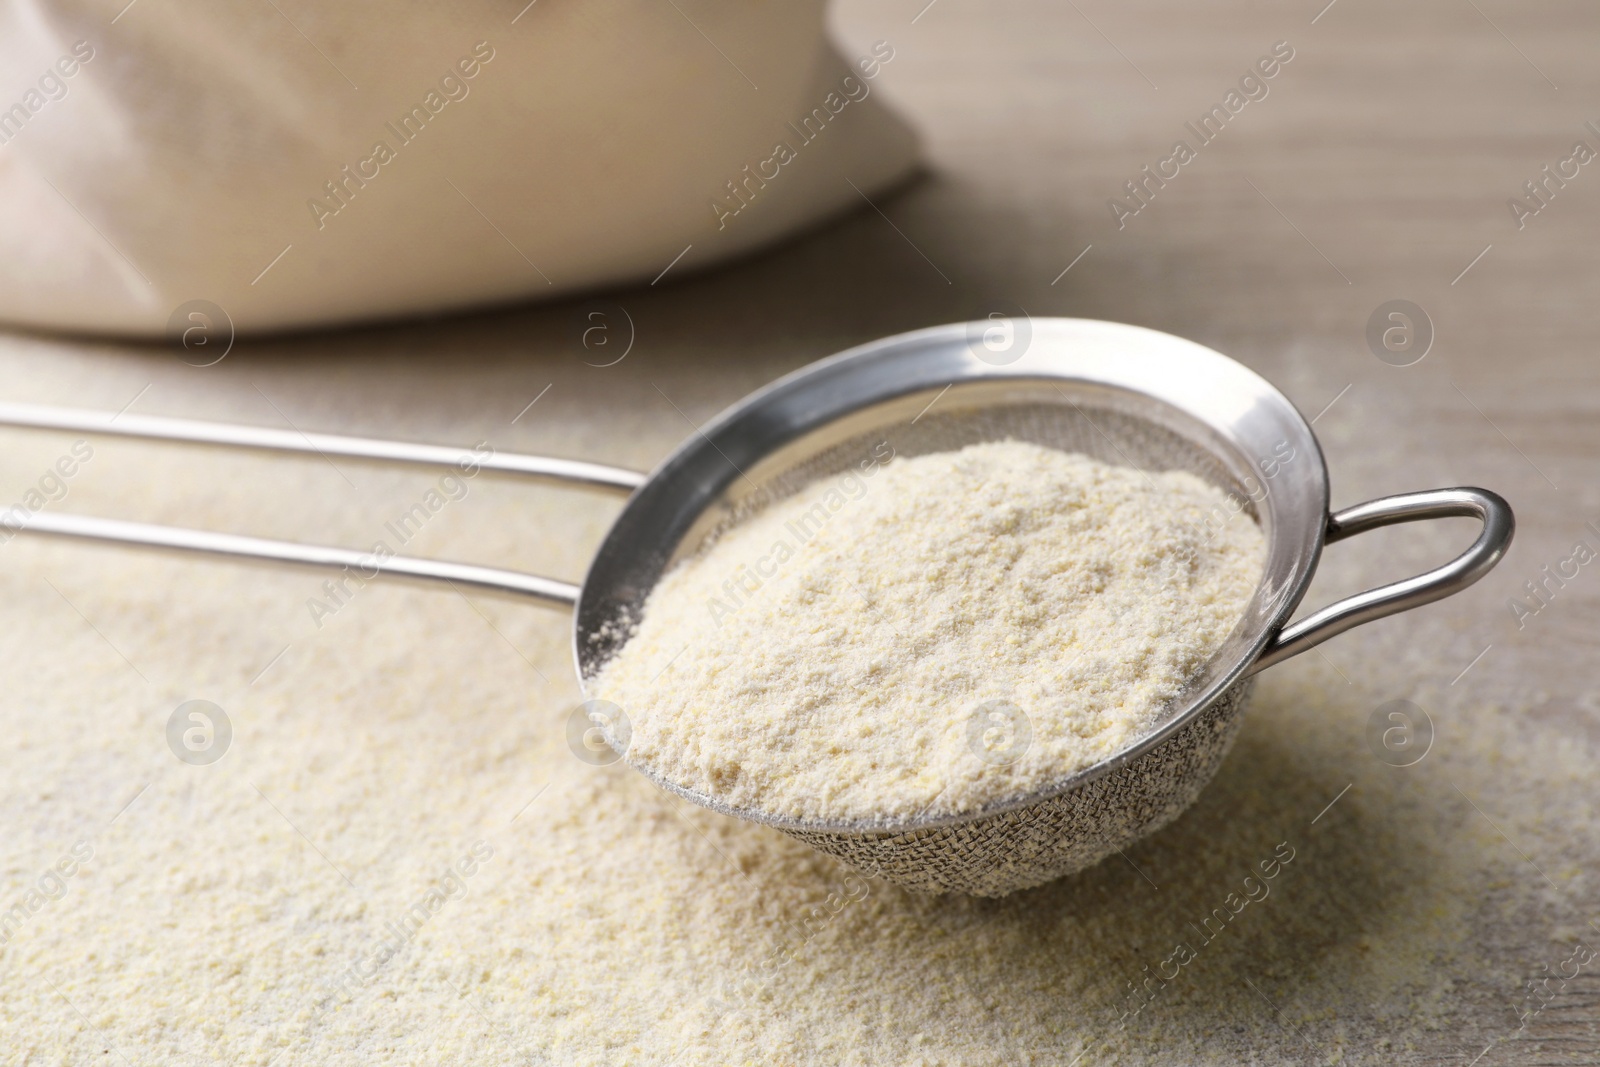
x=943, y=347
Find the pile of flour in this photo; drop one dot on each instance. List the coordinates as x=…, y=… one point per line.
x=931, y=634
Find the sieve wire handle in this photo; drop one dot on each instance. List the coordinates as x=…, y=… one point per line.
x=366, y=565
x=160, y=428
x=1466, y=501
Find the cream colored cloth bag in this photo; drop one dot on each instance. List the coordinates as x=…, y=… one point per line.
x=300, y=164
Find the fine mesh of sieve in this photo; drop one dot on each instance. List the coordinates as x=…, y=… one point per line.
x=1052, y=834
x=1112, y=426
x=1110, y=436
x=1030, y=839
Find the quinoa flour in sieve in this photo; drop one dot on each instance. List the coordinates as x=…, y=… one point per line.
x=932, y=634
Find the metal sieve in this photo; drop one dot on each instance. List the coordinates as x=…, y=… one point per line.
x=1122, y=394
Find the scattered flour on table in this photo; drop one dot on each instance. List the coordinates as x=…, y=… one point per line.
x=618, y=926
x=860, y=650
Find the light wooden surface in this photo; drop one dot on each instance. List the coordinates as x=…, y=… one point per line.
x=1378, y=167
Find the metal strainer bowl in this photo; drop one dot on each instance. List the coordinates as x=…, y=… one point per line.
x=1122, y=394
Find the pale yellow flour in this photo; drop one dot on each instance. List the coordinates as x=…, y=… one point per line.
x=932, y=633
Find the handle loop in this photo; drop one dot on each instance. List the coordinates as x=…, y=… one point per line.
x=1498, y=526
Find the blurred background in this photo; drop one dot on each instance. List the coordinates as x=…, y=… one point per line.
x=570, y=257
